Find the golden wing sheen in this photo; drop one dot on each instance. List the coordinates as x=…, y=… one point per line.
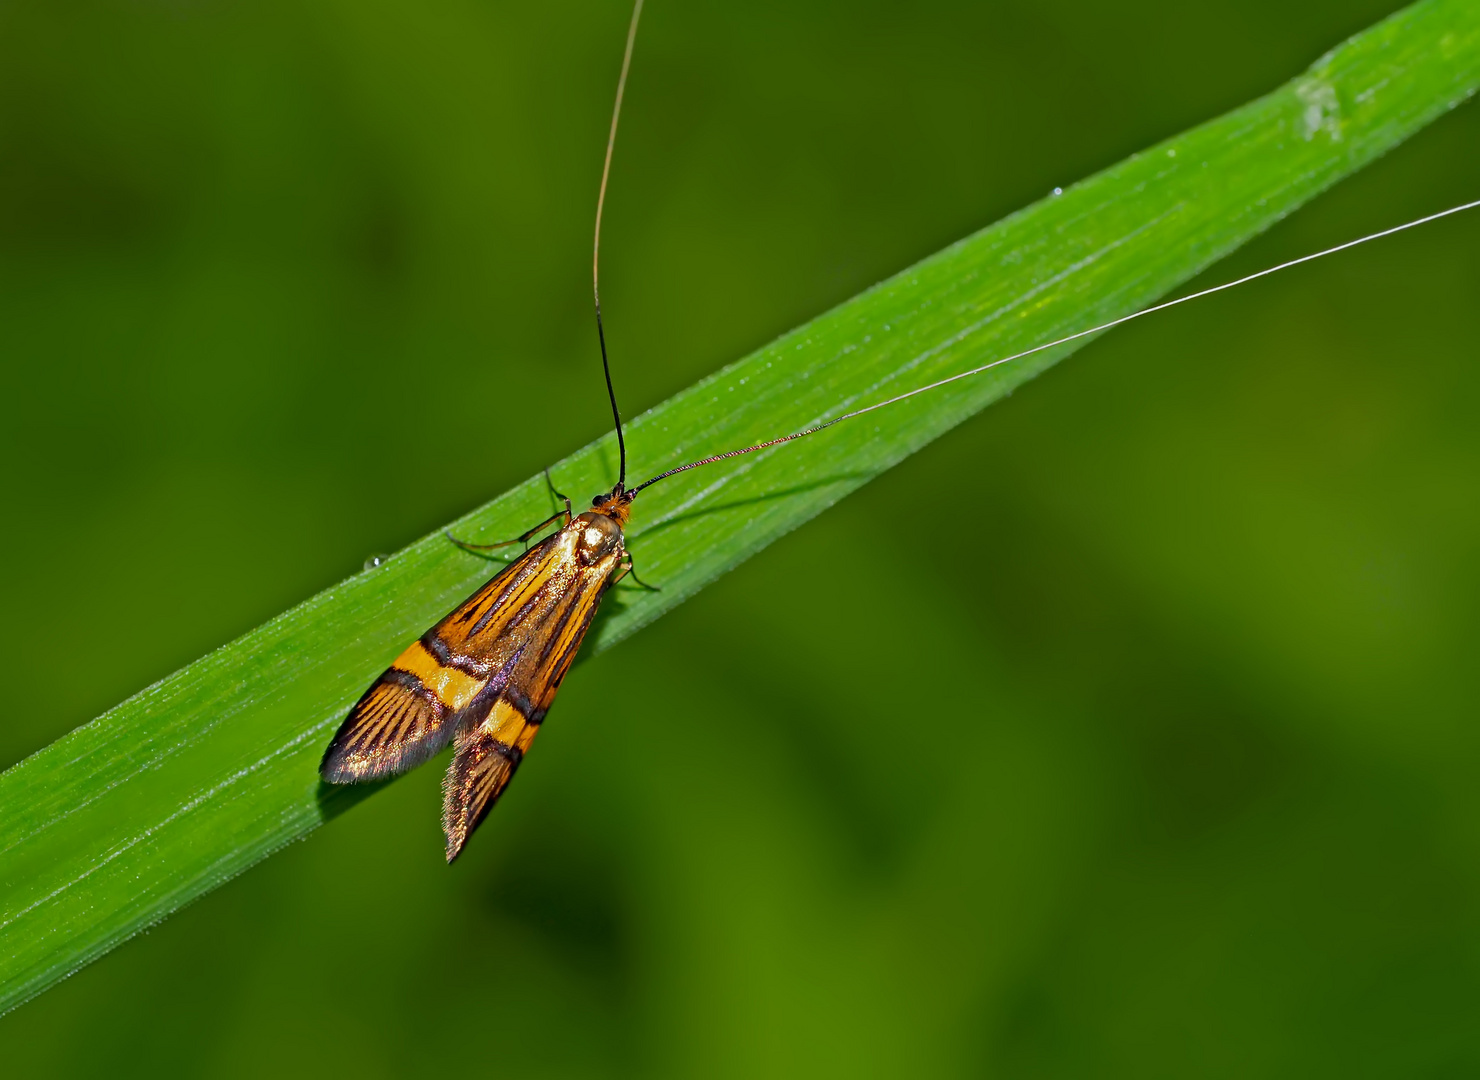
x=484, y=677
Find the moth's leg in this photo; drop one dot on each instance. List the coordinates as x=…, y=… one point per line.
x=563, y=498
x=522, y=538
x=628, y=570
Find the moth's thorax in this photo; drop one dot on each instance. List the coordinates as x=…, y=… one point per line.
x=600, y=537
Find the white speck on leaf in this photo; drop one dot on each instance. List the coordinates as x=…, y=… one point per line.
x=1322, y=112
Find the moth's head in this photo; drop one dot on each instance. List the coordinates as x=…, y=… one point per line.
x=615, y=504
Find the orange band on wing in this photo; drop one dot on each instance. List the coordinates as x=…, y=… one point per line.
x=508, y=725
x=453, y=688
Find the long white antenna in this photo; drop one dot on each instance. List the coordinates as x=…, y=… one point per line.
x=1064, y=341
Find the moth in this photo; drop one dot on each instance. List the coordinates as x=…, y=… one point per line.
x=484, y=678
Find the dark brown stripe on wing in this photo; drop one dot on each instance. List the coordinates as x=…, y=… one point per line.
x=557, y=631
x=531, y=566
x=448, y=656
x=517, y=698
x=396, y=724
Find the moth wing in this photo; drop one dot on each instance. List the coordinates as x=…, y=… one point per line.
x=398, y=724
x=484, y=760
x=411, y=711
x=490, y=746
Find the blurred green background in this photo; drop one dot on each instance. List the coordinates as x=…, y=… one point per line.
x=1173, y=775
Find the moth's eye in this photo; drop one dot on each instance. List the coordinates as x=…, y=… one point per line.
x=598, y=501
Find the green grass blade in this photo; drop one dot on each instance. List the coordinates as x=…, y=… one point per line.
x=123, y=821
